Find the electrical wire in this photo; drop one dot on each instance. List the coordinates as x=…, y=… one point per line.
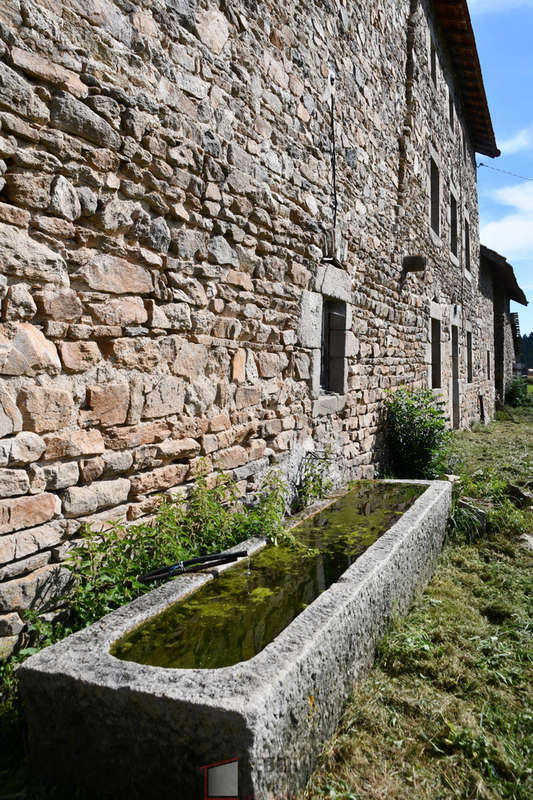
x=504, y=171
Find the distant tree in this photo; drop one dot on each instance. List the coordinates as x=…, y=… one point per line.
x=527, y=350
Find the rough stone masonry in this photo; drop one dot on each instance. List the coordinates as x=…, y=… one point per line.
x=171, y=224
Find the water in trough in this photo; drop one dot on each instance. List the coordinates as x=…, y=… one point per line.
x=237, y=614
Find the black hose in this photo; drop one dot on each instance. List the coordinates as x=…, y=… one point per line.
x=190, y=565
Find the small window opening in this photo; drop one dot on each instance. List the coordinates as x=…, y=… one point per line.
x=467, y=245
x=332, y=367
x=433, y=62
x=453, y=224
x=451, y=109
x=488, y=365
x=469, y=356
x=435, y=197
x=435, y=354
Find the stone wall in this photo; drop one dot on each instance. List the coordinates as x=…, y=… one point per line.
x=167, y=204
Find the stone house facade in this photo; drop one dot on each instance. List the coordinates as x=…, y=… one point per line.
x=210, y=218
x=503, y=287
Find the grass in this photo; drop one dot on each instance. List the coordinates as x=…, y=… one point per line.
x=447, y=711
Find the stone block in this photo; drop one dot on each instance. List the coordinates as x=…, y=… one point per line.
x=310, y=322
x=39, y=590
x=213, y=30
x=72, y=116
x=60, y=304
x=61, y=475
x=159, y=479
x=91, y=469
x=27, y=512
x=108, y=404
x=80, y=500
x=64, y=200
x=26, y=447
x=186, y=359
x=334, y=282
x=45, y=408
x=238, y=366
x=219, y=423
x=19, y=303
x=23, y=257
x=25, y=351
x=167, y=397
x=47, y=70
x=10, y=416
x=79, y=356
x=231, y=457
x=271, y=365
x=116, y=463
x=71, y=444
x=17, y=568
x=240, y=279
x=136, y=435
x=28, y=190
x=10, y=624
x=13, y=482
x=174, y=449
x=107, y=273
x=247, y=396
x=220, y=252
x=120, y=311
x=18, y=96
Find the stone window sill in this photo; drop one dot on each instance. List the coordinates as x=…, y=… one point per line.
x=328, y=404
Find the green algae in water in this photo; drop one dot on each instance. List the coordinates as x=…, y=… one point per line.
x=236, y=615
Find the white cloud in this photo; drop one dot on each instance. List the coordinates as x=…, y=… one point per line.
x=523, y=140
x=512, y=234
x=497, y=6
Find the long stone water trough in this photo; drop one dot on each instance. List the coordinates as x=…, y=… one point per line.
x=120, y=729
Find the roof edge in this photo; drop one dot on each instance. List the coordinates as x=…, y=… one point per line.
x=454, y=19
x=503, y=272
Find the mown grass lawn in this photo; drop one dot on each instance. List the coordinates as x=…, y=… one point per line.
x=447, y=711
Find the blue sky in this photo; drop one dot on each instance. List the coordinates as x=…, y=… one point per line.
x=504, y=36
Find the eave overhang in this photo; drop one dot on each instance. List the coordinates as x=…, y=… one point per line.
x=454, y=19
x=503, y=274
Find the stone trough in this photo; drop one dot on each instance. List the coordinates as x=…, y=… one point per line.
x=126, y=730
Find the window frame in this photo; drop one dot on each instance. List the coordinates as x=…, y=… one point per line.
x=333, y=346
x=436, y=353
x=434, y=196
x=469, y=358
x=454, y=225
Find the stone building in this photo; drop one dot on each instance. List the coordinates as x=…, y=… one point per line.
x=503, y=287
x=210, y=214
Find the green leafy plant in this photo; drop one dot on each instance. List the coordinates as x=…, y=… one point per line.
x=516, y=393
x=416, y=433
x=213, y=518
x=313, y=482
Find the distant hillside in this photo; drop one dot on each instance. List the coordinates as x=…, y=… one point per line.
x=527, y=350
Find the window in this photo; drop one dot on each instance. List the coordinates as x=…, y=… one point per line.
x=332, y=365
x=450, y=108
x=488, y=365
x=435, y=197
x=453, y=224
x=467, y=245
x=435, y=354
x=469, y=356
x=433, y=62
